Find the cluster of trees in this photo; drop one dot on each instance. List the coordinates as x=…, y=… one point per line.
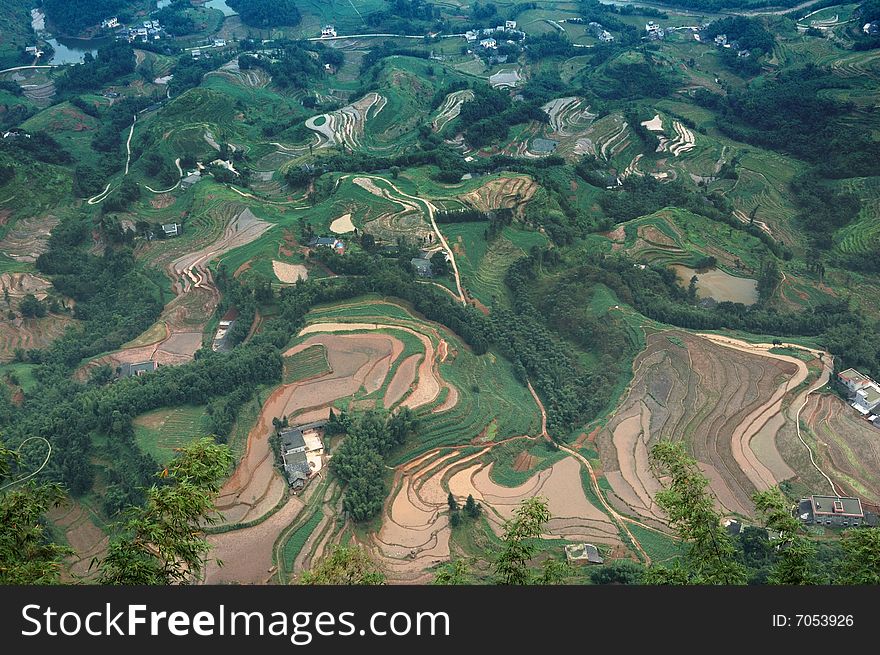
x=405, y=17
x=294, y=65
x=789, y=114
x=489, y=116
x=188, y=72
x=158, y=544
x=823, y=210
x=267, y=13
x=73, y=16
x=529, y=335
x=40, y=146
x=176, y=20
x=750, y=33
x=360, y=461
x=472, y=509
x=113, y=61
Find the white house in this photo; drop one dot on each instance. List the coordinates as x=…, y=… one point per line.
x=489, y=44
x=510, y=24
x=109, y=23
x=867, y=399
x=471, y=36
x=328, y=30
x=853, y=380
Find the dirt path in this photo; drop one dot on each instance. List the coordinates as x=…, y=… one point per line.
x=744, y=432
x=430, y=208
x=618, y=518
x=128, y=145
x=827, y=368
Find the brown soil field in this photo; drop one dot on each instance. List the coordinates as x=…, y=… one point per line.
x=289, y=273
x=402, y=380
x=415, y=536
x=723, y=399
x=848, y=445
x=255, y=487
x=83, y=536
x=524, y=461
x=20, y=284
x=30, y=333
x=428, y=387
x=247, y=554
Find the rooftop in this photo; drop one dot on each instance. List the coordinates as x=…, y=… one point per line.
x=841, y=505
x=852, y=376
x=292, y=438
x=583, y=553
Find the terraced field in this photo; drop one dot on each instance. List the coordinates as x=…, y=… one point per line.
x=483, y=265
x=848, y=446
x=860, y=238
x=726, y=402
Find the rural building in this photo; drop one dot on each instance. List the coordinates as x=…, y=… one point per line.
x=583, y=554
x=221, y=337
x=109, y=23
x=172, y=229
x=872, y=28
x=471, y=35
x=190, y=179
x=327, y=242
x=510, y=25
x=837, y=511
x=34, y=50
x=867, y=400
x=743, y=53
x=328, y=30
x=302, y=451
x=135, y=370
x=292, y=441
x=654, y=31
x=422, y=267
x=864, y=393
x=219, y=43
x=489, y=44
x=853, y=380
x=606, y=37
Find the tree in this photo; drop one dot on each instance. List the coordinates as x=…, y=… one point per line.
x=511, y=564
x=162, y=543
x=861, y=561
x=453, y=504
x=796, y=560
x=346, y=565
x=30, y=307
x=692, y=289
x=620, y=571
x=27, y=555
x=471, y=507
x=711, y=558
x=454, y=572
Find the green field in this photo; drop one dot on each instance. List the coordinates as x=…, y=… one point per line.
x=481, y=264
x=160, y=432
x=297, y=540
x=306, y=364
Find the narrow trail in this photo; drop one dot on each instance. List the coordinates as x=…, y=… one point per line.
x=128, y=145
x=94, y=200
x=618, y=519
x=827, y=367
x=430, y=209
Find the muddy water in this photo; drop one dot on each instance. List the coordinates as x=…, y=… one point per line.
x=719, y=285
